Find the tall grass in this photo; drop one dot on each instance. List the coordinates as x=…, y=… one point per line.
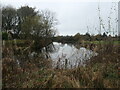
x=100, y=71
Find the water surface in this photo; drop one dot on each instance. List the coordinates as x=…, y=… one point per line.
x=68, y=56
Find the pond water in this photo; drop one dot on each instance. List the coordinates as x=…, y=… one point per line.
x=68, y=56
x=62, y=55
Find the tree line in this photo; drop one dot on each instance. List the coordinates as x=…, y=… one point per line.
x=28, y=23
x=77, y=38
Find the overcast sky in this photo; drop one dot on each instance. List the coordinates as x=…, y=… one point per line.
x=73, y=16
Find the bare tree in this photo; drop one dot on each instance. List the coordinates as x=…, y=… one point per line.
x=49, y=21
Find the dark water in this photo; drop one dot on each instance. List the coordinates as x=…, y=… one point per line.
x=68, y=56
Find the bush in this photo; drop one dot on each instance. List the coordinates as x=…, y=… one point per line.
x=4, y=36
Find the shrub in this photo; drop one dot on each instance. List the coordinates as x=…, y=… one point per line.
x=4, y=36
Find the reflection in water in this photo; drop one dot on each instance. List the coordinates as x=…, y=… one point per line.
x=68, y=56
x=62, y=55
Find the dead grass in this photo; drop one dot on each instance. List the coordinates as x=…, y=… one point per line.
x=99, y=72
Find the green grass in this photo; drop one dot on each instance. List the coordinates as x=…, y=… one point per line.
x=101, y=42
x=20, y=43
x=17, y=41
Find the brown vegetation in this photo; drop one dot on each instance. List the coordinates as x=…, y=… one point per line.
x=100, y=72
